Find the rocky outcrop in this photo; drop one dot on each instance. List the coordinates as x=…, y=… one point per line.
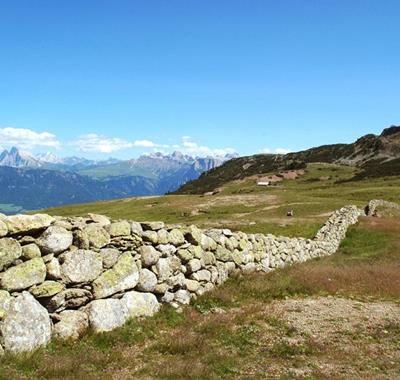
x=62, y=276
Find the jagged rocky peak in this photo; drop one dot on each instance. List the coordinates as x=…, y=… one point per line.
x=18, y=158
x=392, y=130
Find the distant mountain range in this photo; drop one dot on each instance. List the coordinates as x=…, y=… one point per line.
x=31, y=182
x=372, y=155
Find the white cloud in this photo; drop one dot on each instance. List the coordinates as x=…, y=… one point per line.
x=275, y=151
x=97, y=143
x=26, y=138
x=145, y=144
x=192, y=148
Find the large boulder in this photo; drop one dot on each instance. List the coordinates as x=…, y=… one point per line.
x=97, y=236
x=26, y=325
x=25, y=223
x=24, y=275
x=72, y=325
x=140, y=304
x=106, y=315
x=55, y=240
x=10, y=250
x=81, y=266
x=123, y=275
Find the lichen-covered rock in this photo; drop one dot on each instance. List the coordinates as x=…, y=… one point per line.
x=136, y=228
x=152, y=226
x=147, y=281
x=193, y=265
x=207, y=244
x=107, y=314
x=148, y=255
x=24, y=275
x=182, y=296
x=150, y=236
x=162, y=236
x=193, y=235
x=26, y=223
x=81, y=266
x=208, y=258
x=202, y=275
x=53, y=269
x=166, y=249
x=10, y=250
x=185, y=255
x=30, y=251
x=176, y=237
x=100, y=220
x=140, y=304
x=192, y=285
x=109, y=257
x=162, y=269
x=46, y=289
x=119, y=229
x=69, y=298
x=3, y=229
x=26, y=325
x=97, y=236
x=55, y=240
x=122, y=276
x=5, y=299
x=222, y=254
x=72, y=325
x=81, y=239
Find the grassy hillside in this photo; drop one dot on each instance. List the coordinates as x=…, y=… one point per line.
x=242, y=205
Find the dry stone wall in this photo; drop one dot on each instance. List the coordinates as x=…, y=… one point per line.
x=61, y=276
x=370, y=210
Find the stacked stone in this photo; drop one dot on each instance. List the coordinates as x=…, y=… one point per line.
x=375, y=203
x=60, y=277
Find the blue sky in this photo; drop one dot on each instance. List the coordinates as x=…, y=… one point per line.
x=118, y=78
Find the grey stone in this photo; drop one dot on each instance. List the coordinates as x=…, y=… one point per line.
x=140, y=304
x=69, y=298
x=192, y=285
x=193, y=265
x=148, y=255
x=119, y=229
x=100, y=220
x=202, y=275
x=150, y=236
x=163, y=236
x=136, y=228
x=109, y=257
x=182, y=296
x=166, y=249
x=98, y=237
x=72, y=325
x=30, y=251
x=23, y=276
x=53, y=269
x=47, y=289
x=176, y=237
x=27, y=223
x=106, y=314
x=3, y=229
x=26, y=325
x=152, y=226
x=10, y=250
x=55, y=240
x=5, y=299
x=81, y=266
x=122, y=276
x=147, y=281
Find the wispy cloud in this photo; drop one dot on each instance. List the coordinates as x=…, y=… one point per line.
x=275, y=151
x=27, y=138
x=93, y=142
